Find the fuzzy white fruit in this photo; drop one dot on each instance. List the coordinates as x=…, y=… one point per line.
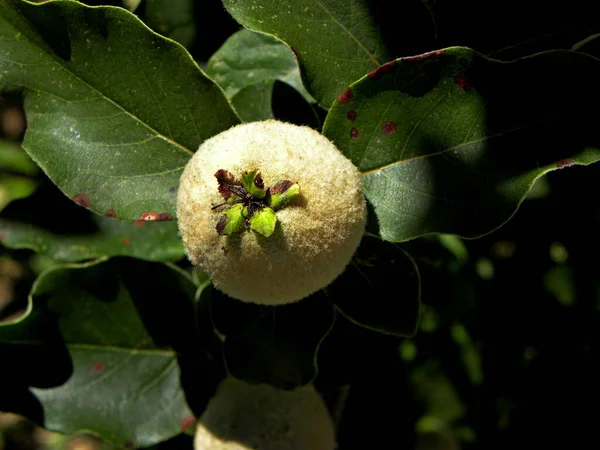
x=243, y=416
x=316, y=234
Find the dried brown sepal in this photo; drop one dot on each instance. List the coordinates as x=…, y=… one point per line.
x=228, y=185
x=221, y=224
x=258, y=182
x=280, y=187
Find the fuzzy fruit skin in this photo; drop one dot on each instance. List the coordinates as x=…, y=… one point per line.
x=316, y=234
x=243, y=416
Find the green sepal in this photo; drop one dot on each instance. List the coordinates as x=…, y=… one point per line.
x=232, y=220
x=282, y=193
x=253, y=183
x=263, y=221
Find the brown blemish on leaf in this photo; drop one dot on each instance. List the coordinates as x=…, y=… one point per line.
x=382, y=70
x=434, y=54
x=126, y=242
x=150, y=215
x=295, y=52
x=463, y=83
x=280, y=187
x=187, y=422
x=165, y=216
x=82, y=200
x=97, y=367
x=110, y=213
x=3, y=236
x=354, y=134
x=565, y=163
x=388, y=127
x=352, y=115
x=345, y=97
x=128, y=444
x=140, y=223
x=221, y=224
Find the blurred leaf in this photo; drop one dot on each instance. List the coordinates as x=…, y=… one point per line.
x=438, y=394
x=150, y=240
x=336, y=43
x=125, y=385
x=559, y=282
x=272, y=344
x=452, y=141
x=14, y=187
x=114, y=110
x=375, y=263
x=468, y=353
x=540, y=189
x=173, y=19
x=15, y=169
x=14, y=159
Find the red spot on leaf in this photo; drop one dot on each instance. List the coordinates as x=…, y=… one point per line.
x=151, y=215
x=352, y=115
x=345, y=97
x=463, y=82
x=295, y=52
x=422, y=56
x=126, y=242
x=97, y=367
x=140, y=223
x=382, y=70
x=388, y=127
x=110, y=213
x=3, y=236
x=187, y=422
x=565, y=163
x=354, y=133
x=82, y=200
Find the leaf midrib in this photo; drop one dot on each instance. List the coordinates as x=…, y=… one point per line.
x=93, y=89
x=349, y=33
x=456, y=147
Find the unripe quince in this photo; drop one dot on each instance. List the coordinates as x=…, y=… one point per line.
x=271, y=211
x=243, y=416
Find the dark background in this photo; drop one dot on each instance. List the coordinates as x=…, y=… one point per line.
x=527, y=374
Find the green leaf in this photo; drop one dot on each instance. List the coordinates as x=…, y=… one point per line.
x=253, y=102
x=390, y=311
x=452, y=141
x=154, y=241
x=173, y=19
x=264, y=221
x=282, y=193
x=125, y=383
x=336, y=43
x=253, y=183
x=115, y=111
x=272, y=344
x=232, y=220
x=248, y=59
